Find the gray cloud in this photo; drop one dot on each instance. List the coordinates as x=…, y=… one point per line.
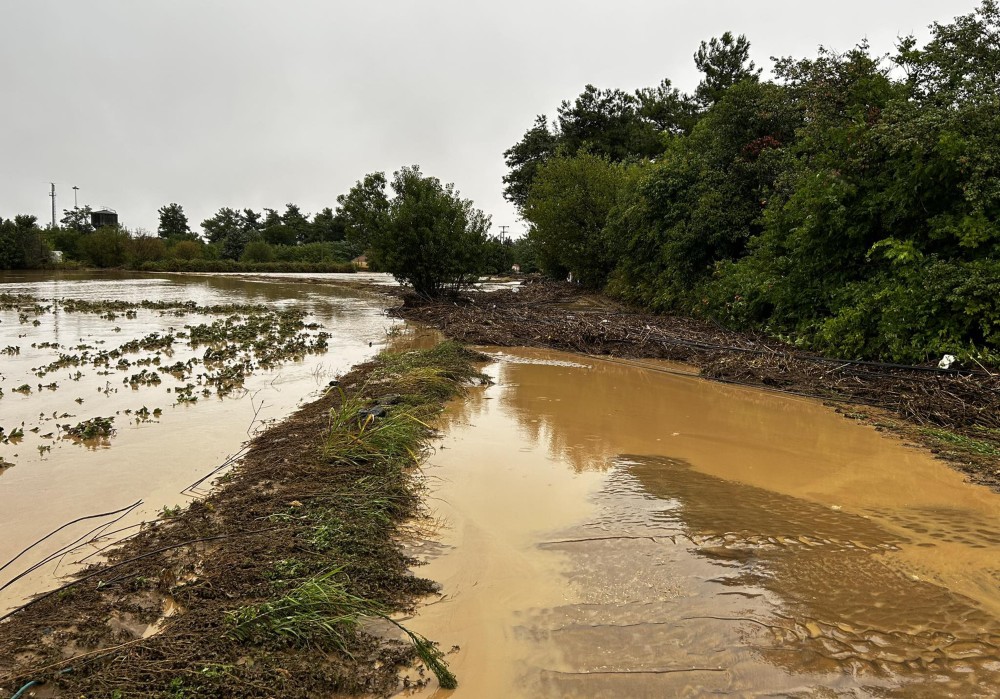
x=258, y=103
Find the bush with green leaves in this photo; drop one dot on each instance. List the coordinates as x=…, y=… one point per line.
x=426, y=235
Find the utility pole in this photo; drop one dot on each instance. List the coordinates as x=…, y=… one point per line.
x=75, y=190
x=503, y=233
x=53, y=195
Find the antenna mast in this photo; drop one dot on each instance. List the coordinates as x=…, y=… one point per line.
x=53, y=195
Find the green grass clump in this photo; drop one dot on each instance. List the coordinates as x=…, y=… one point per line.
x=319, y=611
x=322, y=612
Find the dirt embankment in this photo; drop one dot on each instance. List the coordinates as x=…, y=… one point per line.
x=264, y=588
x=954, y=413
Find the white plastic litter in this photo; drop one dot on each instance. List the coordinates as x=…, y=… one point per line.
x=946, y=361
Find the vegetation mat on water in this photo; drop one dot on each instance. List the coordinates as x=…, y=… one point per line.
x=918, y=402
x=268, y=580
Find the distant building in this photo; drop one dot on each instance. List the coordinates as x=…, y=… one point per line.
x=361, y=261
x=103, y=217
x=515, y=268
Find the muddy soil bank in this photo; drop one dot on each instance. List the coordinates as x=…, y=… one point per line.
x=267, y=587
x=956, y=414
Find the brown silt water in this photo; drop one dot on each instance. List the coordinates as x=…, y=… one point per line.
x=63, y=500
x=611, y=529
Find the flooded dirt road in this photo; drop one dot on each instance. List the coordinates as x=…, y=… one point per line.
x=169, y=431
x=614, y=530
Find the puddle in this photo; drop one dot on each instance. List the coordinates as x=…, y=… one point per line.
x=161, y=444
x=612, y=530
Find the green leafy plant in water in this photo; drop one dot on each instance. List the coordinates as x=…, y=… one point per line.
x=94, y=428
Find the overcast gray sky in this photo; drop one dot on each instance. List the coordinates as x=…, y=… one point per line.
x=254, y=103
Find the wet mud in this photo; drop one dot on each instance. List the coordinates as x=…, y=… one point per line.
x=612, y=530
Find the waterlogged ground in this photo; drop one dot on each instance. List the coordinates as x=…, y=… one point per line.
x=118, y=390
x=621, y=530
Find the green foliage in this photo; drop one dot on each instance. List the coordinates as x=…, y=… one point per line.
x=257, y=251
x=22, y=245
x=848, y=207
x=426, y=235
x=701, y=204
x=364, y=210
x=724, y=62
x=77, y=220
x=105, y=247
x=173, y=222
x=567, y=207
x=523, y=159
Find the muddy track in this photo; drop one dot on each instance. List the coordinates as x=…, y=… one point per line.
x=157, y=619
x=956, y=414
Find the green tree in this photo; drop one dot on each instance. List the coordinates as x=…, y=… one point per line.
x=523, y=159
x=173, y=222
x=667, y=109
x=723, y=61
x=274, y=231
x=224, y=223
x=77, y=219
x=430, y=238
x=568, y=208
x=22, y=245
x=327, y=227
x=364, y=211
x=105, y=247
x=297, y=225
x=701, y=203
x=258, y=251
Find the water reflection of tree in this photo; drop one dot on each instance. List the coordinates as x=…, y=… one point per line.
x=585, y=416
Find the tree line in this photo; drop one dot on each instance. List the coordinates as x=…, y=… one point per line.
x=849, y=204
x=426, y=234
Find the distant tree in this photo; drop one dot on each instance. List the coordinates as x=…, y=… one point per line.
x=667, y=109
x=187, y=250
x=327, y=227
x=21, y=244
x=498, y=255
x=297, y=225
x=606, y=123
x=364, y=210
x=724, y=62
x=77, y=220
x=523, y=159
x=257, y=251
x=274, y=230
x=431, y=238
x=230, y=231
x=145, y=248
x=224, y=223
x=105, y=247
x=173, y=222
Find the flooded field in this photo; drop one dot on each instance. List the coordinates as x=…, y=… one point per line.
x=608, y=529
x=113, y=404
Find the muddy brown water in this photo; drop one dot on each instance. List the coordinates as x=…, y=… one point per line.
x=153, y=461
x=609, y=529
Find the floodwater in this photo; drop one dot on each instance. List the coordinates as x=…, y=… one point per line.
x=608, y=529
x=152, y=457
